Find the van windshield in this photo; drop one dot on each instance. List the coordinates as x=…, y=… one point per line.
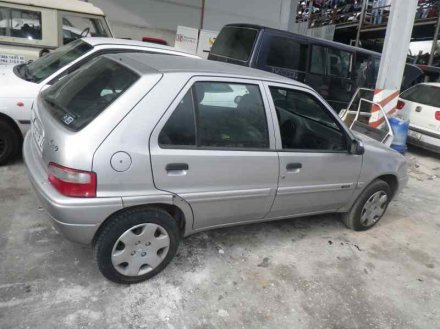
x=235, y=43
x=78, y=99
x=423, y=94
x=45, y=66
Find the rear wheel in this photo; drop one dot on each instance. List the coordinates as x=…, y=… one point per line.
x=136, y=244
x=9, y=142
x=369, y=207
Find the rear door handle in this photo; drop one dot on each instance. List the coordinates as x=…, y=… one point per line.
x=293, y=167
x=176, y=166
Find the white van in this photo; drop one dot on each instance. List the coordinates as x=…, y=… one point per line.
x=31, y=28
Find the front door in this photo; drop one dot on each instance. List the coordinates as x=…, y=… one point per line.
x=317, y=174
x=215, y=149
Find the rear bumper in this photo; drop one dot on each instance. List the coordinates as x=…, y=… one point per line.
x=76, y=218
x=424, y=139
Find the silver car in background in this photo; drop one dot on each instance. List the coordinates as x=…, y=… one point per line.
x=133, y=152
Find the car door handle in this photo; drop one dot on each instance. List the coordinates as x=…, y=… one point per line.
x=293, y=167
x=176, y=166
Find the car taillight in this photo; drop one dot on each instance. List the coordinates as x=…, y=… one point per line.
x=437, y=115
x=72, y=182
x=400, y=105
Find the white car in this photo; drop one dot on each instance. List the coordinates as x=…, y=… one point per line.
x=20, y=84
x=421, y=105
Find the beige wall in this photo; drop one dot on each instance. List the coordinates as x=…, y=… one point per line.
x=160, y=18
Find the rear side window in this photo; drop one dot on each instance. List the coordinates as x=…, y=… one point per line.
x=287, y=53
x=424, y=94
x=79, y=98
x=180, y=129
x=235, y=43
x=218, y=115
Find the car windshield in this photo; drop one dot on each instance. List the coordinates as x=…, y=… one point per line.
x=45, y=66
x=78, y=99
x=423, y=94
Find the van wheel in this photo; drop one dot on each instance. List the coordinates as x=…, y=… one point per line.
x=9, y=142
x=369, y=207
x=136, y=244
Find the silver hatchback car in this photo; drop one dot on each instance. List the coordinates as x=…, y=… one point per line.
x=133, y=152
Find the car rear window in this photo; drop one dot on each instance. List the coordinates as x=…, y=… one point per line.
x=78, y=99
x=424, y=94
x=235, y=43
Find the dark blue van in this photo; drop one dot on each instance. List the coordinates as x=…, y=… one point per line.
x=333, y=69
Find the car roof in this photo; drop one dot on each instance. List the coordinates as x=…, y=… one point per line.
x=144, y=63
x=319, y=41
x=68, y=5
x=124, y=42
x=434, y=84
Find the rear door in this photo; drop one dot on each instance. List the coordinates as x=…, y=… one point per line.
x=215, y=149
x=317, y=174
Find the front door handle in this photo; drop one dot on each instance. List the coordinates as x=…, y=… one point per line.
x=176, y=166
x=293, y=167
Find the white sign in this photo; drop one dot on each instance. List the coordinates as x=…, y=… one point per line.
x=206, y=40
x=187, y=39
x=11, y=59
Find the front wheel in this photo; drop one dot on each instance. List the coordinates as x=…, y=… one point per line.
x=369, y=207
x=136, y=244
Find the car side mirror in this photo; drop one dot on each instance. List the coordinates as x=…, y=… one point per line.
x=357, y=147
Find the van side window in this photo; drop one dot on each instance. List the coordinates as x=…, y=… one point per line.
x=20, y=23
x=76, y=26
x=338, y=62
x=318, y=61
x=287, y=53
x=180, y=129
x=218, y=115
x=330, y=61
x=305, y=123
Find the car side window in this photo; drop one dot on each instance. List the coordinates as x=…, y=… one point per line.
x=305, y=123
x=180, y=129
x=218, y=115
x=230, y=115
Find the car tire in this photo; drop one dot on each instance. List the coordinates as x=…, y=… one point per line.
x=136, y=244
x=370, y=206
x=9, y=143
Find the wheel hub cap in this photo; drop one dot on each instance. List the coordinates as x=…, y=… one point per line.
x=140, y=249
x=374, y=208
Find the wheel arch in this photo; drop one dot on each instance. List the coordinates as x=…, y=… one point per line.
x=173, y=210
x=392, y=182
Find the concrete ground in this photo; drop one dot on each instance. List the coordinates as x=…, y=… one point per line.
x=299, y=273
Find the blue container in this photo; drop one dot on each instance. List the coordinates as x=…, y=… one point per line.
x=400, y=129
